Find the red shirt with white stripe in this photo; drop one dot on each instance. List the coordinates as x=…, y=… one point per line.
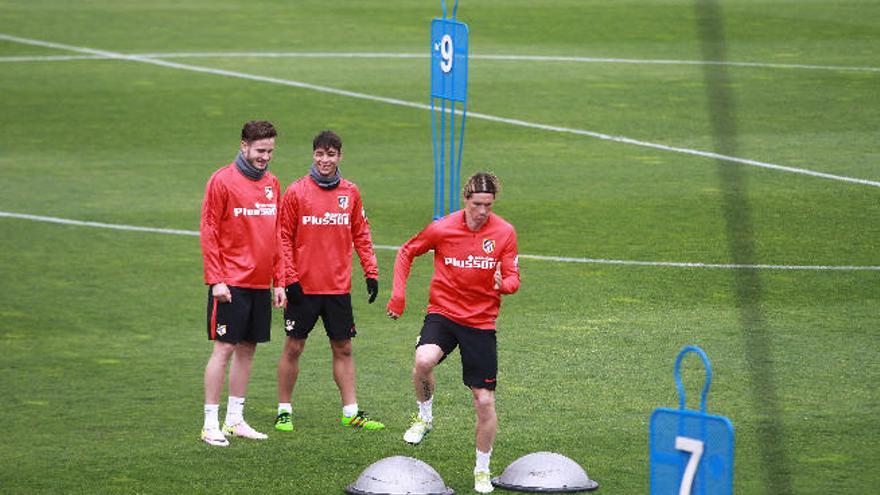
x=239, y=230
x=462, y=288
x=319, y=229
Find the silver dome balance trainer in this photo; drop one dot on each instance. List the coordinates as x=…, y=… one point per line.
x=399, y=475
x=545, y=472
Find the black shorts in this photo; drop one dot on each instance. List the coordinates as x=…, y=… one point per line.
x=478, y=349
x=334, y=309
x=247, y=317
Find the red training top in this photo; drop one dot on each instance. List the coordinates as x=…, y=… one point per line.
x=462, y=288
x=239, y=230
x=318, y=229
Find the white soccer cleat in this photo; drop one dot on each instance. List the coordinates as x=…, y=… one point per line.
x=243, y=430
x=482, y=483
x=417, y=430
x=215, y=437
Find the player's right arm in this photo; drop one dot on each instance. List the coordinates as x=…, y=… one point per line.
x=417, y=246
x=213, y=207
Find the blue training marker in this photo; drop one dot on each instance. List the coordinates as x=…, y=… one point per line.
x=449, y=75
x=691, y=452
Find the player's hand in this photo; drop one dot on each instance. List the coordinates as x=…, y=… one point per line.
x=221, y=292
x=394, y=309
x=498, y=276
x=280, y=297
x=294, y=293
x=372, y=289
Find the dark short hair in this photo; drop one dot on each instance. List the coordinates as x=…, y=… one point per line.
x=327, y=140
x=258, y=129
x=482, y=182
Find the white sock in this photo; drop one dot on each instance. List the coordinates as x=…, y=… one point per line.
x=483, y=459
x=284, y=407
x=211, y=421
x=426, y=412
x=234, y=410
x=350, y=410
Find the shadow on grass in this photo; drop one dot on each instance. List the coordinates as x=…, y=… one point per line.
x=740, y=236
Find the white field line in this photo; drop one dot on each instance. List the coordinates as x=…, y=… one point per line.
x=558, y=259
x=422, y=106
x=388, y=55
x=100, y=225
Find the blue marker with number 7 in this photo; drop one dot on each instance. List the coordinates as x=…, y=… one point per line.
x=691, y=452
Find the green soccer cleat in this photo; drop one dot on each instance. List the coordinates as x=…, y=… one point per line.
x=360, y=420
x=282, y=422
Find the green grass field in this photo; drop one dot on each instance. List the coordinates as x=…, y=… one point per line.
x=102, y=330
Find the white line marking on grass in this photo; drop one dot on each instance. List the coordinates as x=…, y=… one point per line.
x=100, y=225
x=558, y=259
x=514, y=58
x=422, y=106
x=678, y=264
x=636, y=61
x=51, y=58
x=676, y=149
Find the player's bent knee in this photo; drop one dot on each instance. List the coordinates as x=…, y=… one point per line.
x=423, y=366
x=427, y=356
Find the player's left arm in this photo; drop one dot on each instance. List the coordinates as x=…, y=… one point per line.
x=279, y=297
x=509, y=263
x=362, y=238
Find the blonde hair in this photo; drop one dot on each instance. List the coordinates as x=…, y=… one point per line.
x=482, y=182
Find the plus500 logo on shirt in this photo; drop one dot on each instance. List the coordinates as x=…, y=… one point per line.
x=479, y=262
x=327, y=219
x=259, y=209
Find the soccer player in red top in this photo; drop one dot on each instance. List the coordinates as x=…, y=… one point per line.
x=475, y=262
x=322, y=219
x=240, y=239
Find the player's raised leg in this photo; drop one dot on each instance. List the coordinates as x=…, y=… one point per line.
x=426, y=358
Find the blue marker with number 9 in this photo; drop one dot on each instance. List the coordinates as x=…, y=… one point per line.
x=449, y=59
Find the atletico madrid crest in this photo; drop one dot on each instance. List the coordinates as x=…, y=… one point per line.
x=269, y=192
x=343, y=202
x=488, y=246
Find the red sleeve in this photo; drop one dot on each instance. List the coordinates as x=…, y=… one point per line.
x=209, y=230
x=279, y=273
x=417, y=246
x=363, y=241
x=510, y=267
x=289, y=223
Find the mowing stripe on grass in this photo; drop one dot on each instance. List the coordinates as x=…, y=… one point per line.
x=388, y=55
x=422, y=106
x=558, y=259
